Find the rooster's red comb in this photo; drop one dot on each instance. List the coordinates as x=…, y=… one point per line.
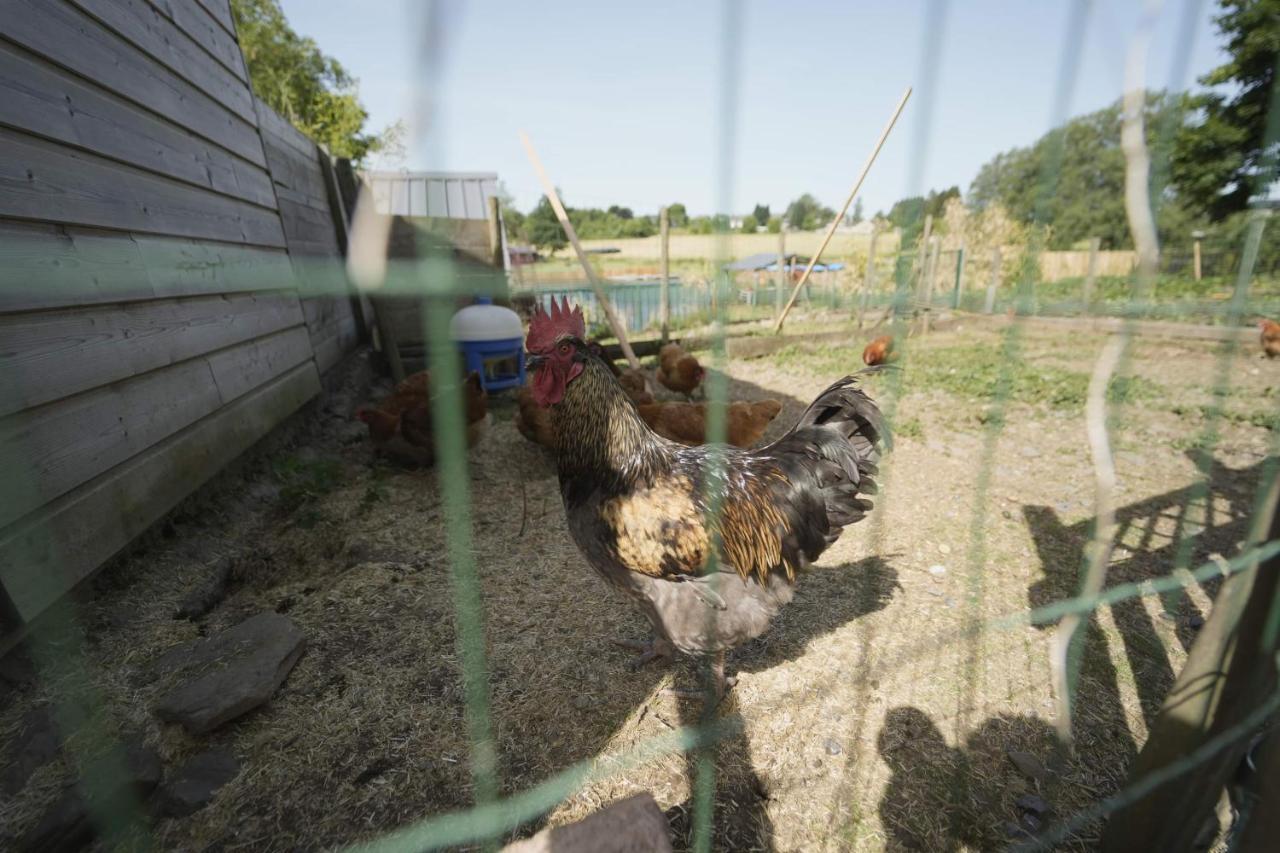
x=544, y=328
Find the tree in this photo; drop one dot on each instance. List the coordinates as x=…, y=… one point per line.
x=761, y=214
x=543, y=228
x=313, y=91
x=1222, y=160
x=621, y=212
x=750, y=224
x=807, y=213
x=856, y=216
x=774, y=225
x=1072, y=178
x=677, y=215
x=512, y=219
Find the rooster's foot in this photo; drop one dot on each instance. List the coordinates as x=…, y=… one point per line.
x=719, y=689
x=649, y=650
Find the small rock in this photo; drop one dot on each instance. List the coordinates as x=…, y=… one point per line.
x=582, y=703
x=944, y=548
x=1012, y=830
x=193, y=785
x=1030, y=451
x=66, y=826
x=937, y=570
x=1032, y=803
x=949, y=601
x=36, y=742
x=1028, y=765
x=1196, y=621
x=231, y=673
x=635, y=823
x=209, y=593
x=832, y=747
x=1006, y=513
x=1030, y=823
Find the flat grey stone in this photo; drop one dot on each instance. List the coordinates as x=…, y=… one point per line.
x=193, y=785
x=209, y=593
x=1028, y=765
x=628, y=826
x=231, y=673
x=1033, y=804
x=66, y=826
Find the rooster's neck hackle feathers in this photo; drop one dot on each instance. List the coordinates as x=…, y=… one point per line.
x=600, y=435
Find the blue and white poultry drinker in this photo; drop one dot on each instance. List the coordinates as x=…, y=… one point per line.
x=490, y=337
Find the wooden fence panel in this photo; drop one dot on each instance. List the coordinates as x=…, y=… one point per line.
x=149, y=307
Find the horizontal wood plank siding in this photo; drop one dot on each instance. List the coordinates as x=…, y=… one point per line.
x=48, y=101
x=66, y=36
x=47, y=266
x=303, y=194
x=58, y=184
x=196, y=22
x=151, y=326
x=49, y=553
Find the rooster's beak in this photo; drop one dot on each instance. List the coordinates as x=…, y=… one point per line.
x=533, y=362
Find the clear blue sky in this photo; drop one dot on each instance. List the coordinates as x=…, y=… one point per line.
x=622, y=98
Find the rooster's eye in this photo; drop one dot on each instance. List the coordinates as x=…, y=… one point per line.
x=564, y=349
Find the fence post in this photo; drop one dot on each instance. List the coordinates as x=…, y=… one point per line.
x=1195, y=252
x=664, y=274
x=924, y=250
x=990, y=305
x=930, y=273
x=868, y=280
x=1094, y=245
x=1229, y=674
x=955, y=299
x=782, y=268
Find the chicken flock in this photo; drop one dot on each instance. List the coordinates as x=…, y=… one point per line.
x=638, y=481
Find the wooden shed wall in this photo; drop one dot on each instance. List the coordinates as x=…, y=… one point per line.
x=304, y=185
x=151, y=328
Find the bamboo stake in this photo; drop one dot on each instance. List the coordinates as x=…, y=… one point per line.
x=831, y=229
x=664, y=305
x=550, y=189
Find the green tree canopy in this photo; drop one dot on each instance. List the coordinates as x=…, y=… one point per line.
x=761, y=214
x=807, y=213
x=542, y=228
x=677, y=215
x=749, y=224
x=774, y=224
x=1221, y=160
x=313, y=91
x=1072, y=178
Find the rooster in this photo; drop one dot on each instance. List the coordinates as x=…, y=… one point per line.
x=1270, y=337
x=639, y=506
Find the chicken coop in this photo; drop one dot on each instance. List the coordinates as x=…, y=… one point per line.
x=976, y=546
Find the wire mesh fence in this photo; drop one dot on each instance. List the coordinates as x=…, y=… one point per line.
x=1234, y=653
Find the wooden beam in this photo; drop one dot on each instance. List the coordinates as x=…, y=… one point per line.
x=831, y=229
x=619, y=330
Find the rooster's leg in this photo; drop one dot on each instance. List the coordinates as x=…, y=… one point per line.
x=649, y=650
x=720, y=685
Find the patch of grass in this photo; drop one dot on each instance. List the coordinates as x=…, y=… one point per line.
x=974, y=372
x=909, y=427
x=305, y=480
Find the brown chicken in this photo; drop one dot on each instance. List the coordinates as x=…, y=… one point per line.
x=637, y=504
x=1270, y=337
x=400, y=426
x=533, y=421
x=687, y=422
x=879, y=351
x=632, y=381
x=679, y=371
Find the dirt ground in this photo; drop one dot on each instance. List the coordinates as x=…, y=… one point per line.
x=879, y=711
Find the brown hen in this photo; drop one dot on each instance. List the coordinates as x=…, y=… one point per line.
x=687, y=422
x=679, y=371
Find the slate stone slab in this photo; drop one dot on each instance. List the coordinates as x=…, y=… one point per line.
x=231, y=673
x=193, y=785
